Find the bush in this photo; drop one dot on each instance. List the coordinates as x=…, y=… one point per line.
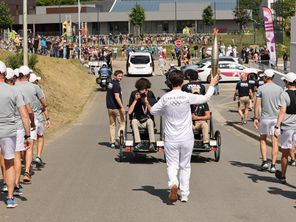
x=16, y=60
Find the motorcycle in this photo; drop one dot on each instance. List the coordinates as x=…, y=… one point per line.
x=104, y=77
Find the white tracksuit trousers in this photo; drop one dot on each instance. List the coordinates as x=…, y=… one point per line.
x=178, y=156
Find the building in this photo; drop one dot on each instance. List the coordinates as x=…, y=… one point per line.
x=109, y=16
x=16, y=7
x=293, y=45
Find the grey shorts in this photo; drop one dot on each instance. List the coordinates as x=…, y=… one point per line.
x=7, y=147
x=266, y=126
x=288, y=139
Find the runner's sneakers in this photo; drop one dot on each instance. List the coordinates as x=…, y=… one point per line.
x=173, y=196
x=17, y=191
x=27, y=177
x=138, y=147
x=278, y=174
x=38, y=161
x=264, y=166
x=293, y=163
x=184, y=199
x=112, y=145
x=4, y=188
x=152, y=147
x=10, y=203
x=272, y=168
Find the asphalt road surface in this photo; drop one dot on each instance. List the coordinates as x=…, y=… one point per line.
x=83, y=180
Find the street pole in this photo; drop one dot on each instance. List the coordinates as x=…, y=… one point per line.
x=25, y=32
x=176, y=17
x=79, y=28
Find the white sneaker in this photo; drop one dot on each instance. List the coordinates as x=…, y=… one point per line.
x=184, y=199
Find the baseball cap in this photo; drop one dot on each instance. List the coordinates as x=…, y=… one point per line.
x=289, y=77
x=34, y=77
x=24, y=70
x=9, y=73
x=17, y=72
x=268, y=73
x=2, y=67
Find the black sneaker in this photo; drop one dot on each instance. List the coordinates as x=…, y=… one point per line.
x=152, y=147
x=278, y=175
x=272, y=168
x=38, y=161
x=264, y=166
x=138, y=147
x=206, y=146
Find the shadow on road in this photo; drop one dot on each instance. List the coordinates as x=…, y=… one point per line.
x=248, y=165
x=284, y=193
x=106, y=144
x=161, y=193
x=200, y=159
x=139, y=158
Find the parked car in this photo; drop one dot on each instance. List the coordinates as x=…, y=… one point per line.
x=140, y=63
x=196, y=66
x=229, y=71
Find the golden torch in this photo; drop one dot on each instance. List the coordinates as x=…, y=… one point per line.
x=215, y=53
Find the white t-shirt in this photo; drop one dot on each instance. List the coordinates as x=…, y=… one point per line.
x=175, y=107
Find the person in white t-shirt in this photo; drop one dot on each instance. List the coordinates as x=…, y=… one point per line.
x=179, y=138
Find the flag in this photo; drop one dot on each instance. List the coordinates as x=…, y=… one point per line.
x=269, y=34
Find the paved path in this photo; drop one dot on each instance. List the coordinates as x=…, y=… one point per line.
x=83, y=181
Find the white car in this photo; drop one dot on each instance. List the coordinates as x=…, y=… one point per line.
x=229, y=71
x=140, y=63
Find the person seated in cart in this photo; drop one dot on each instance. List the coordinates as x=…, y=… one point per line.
x=140, y=103
x=200, y=115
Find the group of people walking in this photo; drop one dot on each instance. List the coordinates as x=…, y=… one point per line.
x=274, y=116
x=23, y=118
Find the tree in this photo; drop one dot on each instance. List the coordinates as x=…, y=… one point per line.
x=137, y=18
x=242, y=17
x=284, y=10
x=6, y=19
x=58, y=2
x=208, y=16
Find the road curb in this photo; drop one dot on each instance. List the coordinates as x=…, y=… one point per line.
x=248, y=132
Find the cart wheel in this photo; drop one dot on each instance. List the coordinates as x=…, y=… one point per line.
x=218, y=151
x=121, y=144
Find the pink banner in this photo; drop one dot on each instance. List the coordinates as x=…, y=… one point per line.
x=269, y=34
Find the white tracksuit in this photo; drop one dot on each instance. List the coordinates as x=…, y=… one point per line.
x=179, y=138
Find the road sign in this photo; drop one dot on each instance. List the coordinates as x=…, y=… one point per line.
x=178, y=43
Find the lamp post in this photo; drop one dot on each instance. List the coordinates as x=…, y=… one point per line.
x=25, y=32
x=79, y=30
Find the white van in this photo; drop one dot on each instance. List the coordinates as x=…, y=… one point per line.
x=140, y=63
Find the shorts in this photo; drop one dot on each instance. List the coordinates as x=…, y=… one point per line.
x=20, y=140
x=39, y=129
x=288, y=139
x=244, y=102
x=7, y=147
x=267, y=126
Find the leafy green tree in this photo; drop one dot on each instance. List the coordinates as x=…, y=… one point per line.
x=6, y=19
x=137, y=18
x=242, y=17
x=208, y=16
x=284, y=10
x=58, y=2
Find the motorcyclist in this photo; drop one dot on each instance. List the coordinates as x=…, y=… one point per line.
x=105, y=71
x=172, y=68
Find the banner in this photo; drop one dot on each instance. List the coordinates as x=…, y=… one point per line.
x=269, y=35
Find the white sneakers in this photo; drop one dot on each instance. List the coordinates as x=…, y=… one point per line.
x=184, y=199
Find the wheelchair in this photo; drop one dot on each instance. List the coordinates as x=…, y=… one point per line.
x=127, y=145
x=215, y=141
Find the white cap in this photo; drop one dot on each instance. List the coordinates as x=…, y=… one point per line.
x=34, y=77
x=24, y=70
x=9, y=73
x=17, y=72
x=2, y=67
x=268, y=73
x=289, y=77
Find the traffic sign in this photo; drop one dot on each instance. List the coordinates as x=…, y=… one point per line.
x=178, y=43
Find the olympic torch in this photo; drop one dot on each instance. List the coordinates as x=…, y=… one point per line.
x=215, y=53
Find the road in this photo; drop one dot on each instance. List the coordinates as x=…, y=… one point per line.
x=83, y=181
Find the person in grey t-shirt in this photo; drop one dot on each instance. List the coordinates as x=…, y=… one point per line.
x=267, y=98
x=35, y=96
x=10, y=99
x=286, y=124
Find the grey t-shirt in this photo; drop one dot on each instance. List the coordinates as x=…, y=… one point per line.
x=33, y=93
x=19, y=122
x=10, y=100
x=289, y=123
x=269, y=94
